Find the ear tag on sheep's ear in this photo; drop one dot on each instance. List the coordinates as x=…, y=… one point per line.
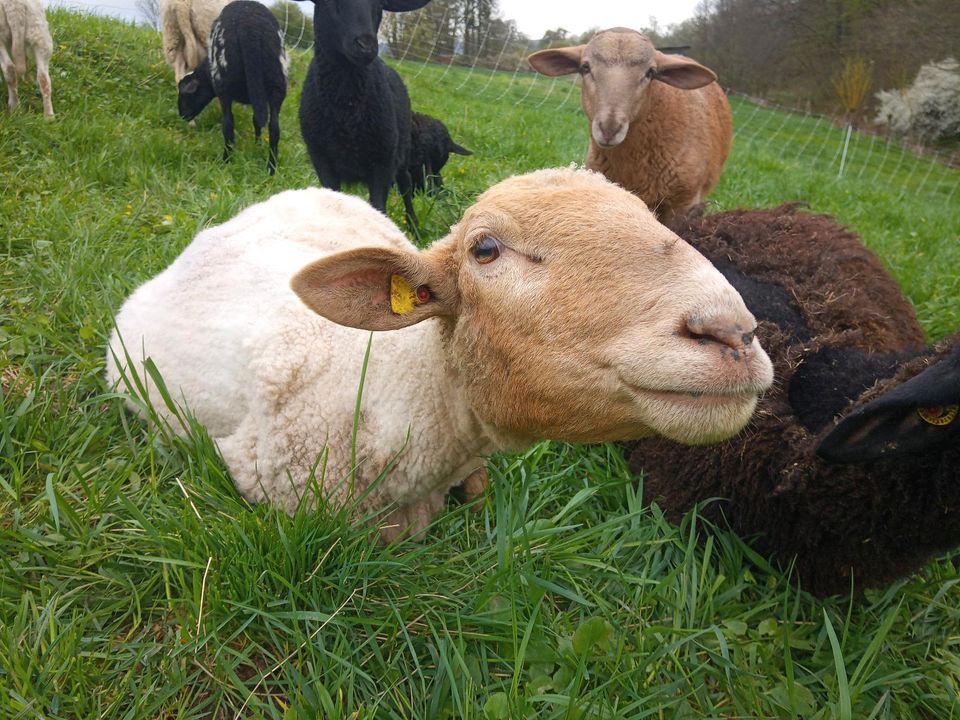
x=940, y=415
x=403, y=297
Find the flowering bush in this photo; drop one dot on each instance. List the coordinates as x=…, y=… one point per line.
x=930, y=108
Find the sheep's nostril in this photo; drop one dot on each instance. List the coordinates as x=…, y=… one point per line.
x=722, y=330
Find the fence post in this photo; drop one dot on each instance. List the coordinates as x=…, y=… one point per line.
x=846, y=143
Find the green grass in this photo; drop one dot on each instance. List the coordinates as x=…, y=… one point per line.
x=135, y=582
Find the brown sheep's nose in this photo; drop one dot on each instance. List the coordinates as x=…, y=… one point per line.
x=720, y=329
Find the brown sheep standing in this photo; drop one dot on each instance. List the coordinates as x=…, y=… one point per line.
x=660, y=126
x=859, y=502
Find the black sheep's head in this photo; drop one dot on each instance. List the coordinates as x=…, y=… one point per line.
x=195, y=91
x=917, y=416
x=349, y=27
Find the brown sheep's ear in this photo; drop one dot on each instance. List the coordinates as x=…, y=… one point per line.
x=682, y=72
x=376, y=288
x=557, y=61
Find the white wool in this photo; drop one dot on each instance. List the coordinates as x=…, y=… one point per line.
x=23, y=25
x=275, y=384
x=186, y=28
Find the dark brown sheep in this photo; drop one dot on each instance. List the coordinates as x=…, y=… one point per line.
x=859, y=501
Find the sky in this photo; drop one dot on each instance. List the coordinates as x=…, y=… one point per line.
x=533, y=17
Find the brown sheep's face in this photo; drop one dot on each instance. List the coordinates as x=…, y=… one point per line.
x=570, y=313
x=617, y=66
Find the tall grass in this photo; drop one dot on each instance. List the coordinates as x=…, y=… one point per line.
x=135, y=582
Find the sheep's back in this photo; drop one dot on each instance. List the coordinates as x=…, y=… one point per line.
x=838, y=285
x=225, y=303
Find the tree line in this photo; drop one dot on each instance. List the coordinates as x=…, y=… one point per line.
x=807, y=52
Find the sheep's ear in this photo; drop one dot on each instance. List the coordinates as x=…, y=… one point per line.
x=377, y=288
x=557, y=61
x=913, y=417
x=458, y=149
x=403, y=5
x=682, y=72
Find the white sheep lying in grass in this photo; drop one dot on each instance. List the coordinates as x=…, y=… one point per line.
x=186, y=32
x=557, y=308
x=659, y=124
x=23, y=24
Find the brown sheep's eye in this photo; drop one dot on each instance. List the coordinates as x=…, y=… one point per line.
x=487, y=249
x=585, y=68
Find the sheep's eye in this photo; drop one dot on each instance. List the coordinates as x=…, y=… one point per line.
x=650, y=73
x=940, y=415
x=585, y=68
x=486, y=250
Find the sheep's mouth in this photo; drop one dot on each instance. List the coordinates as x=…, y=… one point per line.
x=697, y=399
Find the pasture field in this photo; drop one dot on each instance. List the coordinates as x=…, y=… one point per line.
x=136, y=583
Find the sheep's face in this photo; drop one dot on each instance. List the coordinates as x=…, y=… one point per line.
x=570, y=313
x=350, y=27
x=616, y=67
x=195, y=91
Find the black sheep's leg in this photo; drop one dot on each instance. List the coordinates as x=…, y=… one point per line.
x=380, y=181
x=259, y=118
x=325, y=173
x=227, y=107
x=274, y=137
x=405, y=185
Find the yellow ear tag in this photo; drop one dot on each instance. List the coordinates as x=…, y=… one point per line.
x=403, y=298
x=941, y=415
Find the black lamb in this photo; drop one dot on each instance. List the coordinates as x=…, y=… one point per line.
x=430, y=148
x=850, y=467
x=355, y=110
x=247, y=63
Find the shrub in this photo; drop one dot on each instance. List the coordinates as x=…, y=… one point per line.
x=928, y=109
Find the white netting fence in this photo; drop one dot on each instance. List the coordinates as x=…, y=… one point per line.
x=491, y=66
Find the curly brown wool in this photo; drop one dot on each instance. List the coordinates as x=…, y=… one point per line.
x=842, y=338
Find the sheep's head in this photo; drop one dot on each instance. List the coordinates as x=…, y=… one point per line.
x=617, y=66
x=569, y=311
x=349, y=27
x=917, y=415
x=195, y=91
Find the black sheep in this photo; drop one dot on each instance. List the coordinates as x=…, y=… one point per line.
x=355, y=110
x=862, y=500
x=430, y=148
x=247, y=63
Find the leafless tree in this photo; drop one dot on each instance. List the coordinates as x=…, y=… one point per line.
x=150, y=9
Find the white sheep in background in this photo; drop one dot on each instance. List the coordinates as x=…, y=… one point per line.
x=23, y=24
x=659, y=124
x=186, y=32
x=557, y=308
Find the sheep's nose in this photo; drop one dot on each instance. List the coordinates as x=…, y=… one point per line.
x=609, y=131
x=727, y=330
x=366, y=44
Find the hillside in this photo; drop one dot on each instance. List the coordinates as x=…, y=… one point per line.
x=136, y=583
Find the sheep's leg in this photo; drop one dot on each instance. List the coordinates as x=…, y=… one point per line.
x=380, y=182
x=274, y=138
x=328, y=178
x=43, y=80
x=405, y=185
x=10, y=77
x=411, y=519
x=259, y=119
x=470, y=491
x=227, y=106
